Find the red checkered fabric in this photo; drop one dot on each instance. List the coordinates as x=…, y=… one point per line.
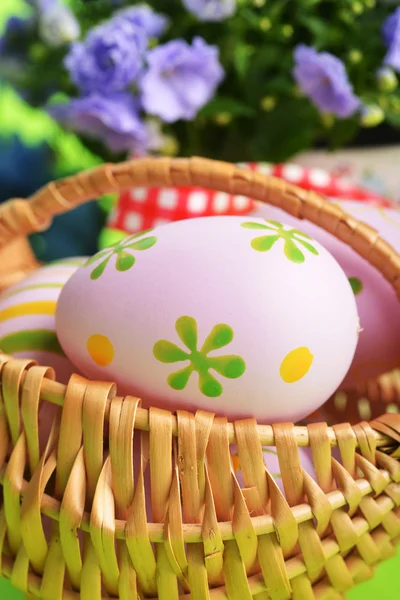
x=145, y=208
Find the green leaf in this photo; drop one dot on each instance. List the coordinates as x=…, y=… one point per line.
x=342, y=132
x=221, y=104
x=242, y=56
x=219, y=337
x=291, y=127
x=186, y=328
x=179, y=380
x=264, y=243
x=167, y=352
x=231, y=367
x=125, y=261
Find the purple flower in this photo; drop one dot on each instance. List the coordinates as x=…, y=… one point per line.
x=323, y=79
x=180, y=79
x=391, y=35
x=152, y=23
x=112, y=119
x=109, y=59
x=211, y=10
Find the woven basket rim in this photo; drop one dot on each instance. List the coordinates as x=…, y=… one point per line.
x=194, y=452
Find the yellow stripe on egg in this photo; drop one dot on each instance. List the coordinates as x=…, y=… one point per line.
x=41, y=307
x=33, y=286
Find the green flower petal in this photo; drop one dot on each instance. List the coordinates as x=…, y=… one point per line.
x=264, y=243
x=143, y=244
x=125, y=261
x=186, y=328
x=96, y=257
x=113, y=245
x=99, y=270
x=275, y=224
x=167, y=352
x=220, y=336
x=230, y=367
x=356, y=285
x=135, y=236
x=179, y=379
x=309, y=247
x=300, y=233
x=209, y=386
x=293, y=253
x=252, y=225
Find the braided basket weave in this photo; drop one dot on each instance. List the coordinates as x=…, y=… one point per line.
x=73, y=519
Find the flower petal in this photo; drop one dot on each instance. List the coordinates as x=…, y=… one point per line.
x=309, y=247
x=143, y=244
x=209, y=386
x=293, y=253
x=96, y=257
x=125, y=261
x=179, y=379
x=264, y=243
x=220, y=336
x=275, y=223
x=252, y=225
x=231, y=366
x=135, y=236
x=186, y=328
x=99, y=270
x=167, y=352
x=300, y=233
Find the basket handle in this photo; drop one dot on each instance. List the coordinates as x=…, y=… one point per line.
x=22, y=217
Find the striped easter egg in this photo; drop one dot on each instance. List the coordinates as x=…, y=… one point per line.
x=27, y=317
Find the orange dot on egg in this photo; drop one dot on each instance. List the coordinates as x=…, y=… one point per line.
x=100, y=349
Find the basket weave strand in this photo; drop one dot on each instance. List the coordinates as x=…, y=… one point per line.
x=130, y=503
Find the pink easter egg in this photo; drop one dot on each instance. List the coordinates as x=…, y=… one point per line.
x=378, y=350
x=212, y=313
x=271, y=462
x=27, y=317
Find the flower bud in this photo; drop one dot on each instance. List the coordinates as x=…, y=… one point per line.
x=223, y=118
x=58, y=25
x=386, y=78
x=371, y=115
x=265, y=24
x=355, y=56
x=268, y=103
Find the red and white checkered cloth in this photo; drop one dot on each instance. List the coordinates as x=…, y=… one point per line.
x=145, y=208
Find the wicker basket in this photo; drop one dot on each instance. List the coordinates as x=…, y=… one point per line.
x=73, y=518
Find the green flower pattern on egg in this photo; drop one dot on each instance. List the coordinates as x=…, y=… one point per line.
x=229, y=366
x=123, y=251
x=291, y=237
